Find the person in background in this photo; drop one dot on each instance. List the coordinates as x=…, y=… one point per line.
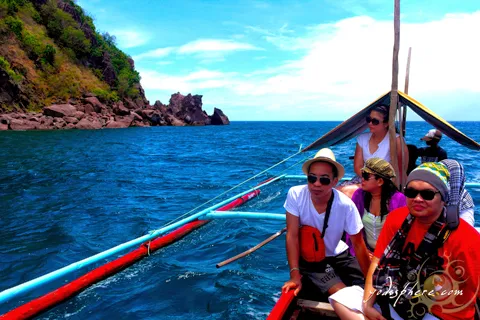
x=432, y=153
x=376, y=143
x=458, y=195
x=377, y=197
x=373, y=144
x=317, y=217
x=412, y=157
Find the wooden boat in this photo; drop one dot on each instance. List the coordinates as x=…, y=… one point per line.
x=303, y=307
x=306, y=305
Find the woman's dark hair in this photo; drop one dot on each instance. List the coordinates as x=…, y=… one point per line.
x=388, y=189
x=384, y=110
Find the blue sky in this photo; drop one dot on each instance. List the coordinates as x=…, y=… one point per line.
x=298, y=60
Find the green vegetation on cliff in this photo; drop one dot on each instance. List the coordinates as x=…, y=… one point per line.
x=51, y=51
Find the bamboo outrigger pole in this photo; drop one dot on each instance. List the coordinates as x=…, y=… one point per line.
x=258, y=246
x=394, y=93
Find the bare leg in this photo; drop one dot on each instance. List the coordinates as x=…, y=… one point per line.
x=336, y=288
x=349, y=189
x=346, y=313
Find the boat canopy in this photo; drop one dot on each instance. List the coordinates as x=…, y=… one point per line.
x=357, y=124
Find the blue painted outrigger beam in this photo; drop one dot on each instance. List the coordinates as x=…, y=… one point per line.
x=29, y=285
x=245, y=215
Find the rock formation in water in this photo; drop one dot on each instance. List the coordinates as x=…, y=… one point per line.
x=58, y=72
x=90, y=113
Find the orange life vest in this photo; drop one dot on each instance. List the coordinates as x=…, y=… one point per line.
x=312, y=246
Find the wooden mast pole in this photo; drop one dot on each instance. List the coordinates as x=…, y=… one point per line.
x=394, y=93
x=407, y=81
x=403, y=120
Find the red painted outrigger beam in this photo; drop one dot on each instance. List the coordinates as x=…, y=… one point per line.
x=61, y=294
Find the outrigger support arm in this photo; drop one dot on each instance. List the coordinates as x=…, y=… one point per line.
x=258, y=246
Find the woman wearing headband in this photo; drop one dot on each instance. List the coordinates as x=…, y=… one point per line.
x=377, y=196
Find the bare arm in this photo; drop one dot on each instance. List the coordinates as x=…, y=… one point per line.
x=358, y=160
x=293, y=254
x=361, y=251
x=293, y=248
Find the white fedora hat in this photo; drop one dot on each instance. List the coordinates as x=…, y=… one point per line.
x=324, y=155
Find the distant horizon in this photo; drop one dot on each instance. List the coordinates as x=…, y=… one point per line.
x=334, y=121
x=337, y=120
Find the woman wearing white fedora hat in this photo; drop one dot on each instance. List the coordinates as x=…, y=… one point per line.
x=317, y=217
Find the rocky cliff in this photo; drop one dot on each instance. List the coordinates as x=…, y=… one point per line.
x=90, y=113
x=58, y=72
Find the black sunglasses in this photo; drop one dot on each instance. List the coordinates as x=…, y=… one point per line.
x=366, y=176
x=425, y=194
x=323, y=180
x=374, y=121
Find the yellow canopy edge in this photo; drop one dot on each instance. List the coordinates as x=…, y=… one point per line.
x=356, y=124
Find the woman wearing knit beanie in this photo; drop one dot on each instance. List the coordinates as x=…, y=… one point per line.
x=421, y=269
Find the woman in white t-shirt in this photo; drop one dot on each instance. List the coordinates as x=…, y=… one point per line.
x=376, y=143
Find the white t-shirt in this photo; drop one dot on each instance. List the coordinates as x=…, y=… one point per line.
x=383, y=150
x=344, y=216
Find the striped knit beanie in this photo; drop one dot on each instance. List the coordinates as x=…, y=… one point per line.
x=435, y=173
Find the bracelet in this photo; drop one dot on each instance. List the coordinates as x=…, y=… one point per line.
x=293, y=269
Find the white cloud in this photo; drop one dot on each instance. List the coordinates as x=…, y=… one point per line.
x=204, y=74
x=353, y=58
x=129, y=39
x=201, y=79
x=261, y=5
x=283, y=38
x=347, y=65
x=214, y=45
x=207, y=50
x=157, y=53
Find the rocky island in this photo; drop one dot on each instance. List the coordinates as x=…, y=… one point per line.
x=58, y=72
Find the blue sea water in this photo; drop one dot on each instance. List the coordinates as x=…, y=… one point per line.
x=67, y=195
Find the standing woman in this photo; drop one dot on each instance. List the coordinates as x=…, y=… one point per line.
x=377, y=197
x=376, y=143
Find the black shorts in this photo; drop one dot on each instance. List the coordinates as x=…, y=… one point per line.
x=332, y=270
